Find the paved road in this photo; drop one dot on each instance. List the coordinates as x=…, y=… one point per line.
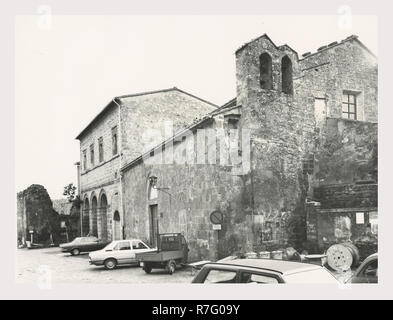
x=33, y=265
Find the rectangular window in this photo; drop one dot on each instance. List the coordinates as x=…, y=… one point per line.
x=84, y=160
x=114, y=140
x=349, y=106
x=92, y=155
x=101, y=149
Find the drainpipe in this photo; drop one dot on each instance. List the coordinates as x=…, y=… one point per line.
x=119, y=145
x=78, y=169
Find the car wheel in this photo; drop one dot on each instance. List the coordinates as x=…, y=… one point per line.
x=171, y=267
x=75, y=252
x=147, y=268
x=110, y=264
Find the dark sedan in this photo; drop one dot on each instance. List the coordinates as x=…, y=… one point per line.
x=83, y=244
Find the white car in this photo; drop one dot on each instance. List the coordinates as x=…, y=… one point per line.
x=119, y=252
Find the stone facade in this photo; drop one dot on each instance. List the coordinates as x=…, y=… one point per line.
x=305, y=150
x=299, y=143
x=129, y=118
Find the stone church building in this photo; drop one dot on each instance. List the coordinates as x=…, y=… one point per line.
x=302, y=173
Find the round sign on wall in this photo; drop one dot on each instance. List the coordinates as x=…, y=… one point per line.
x=216, y=217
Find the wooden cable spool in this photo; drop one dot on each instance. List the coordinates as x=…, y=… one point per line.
x=341, y=257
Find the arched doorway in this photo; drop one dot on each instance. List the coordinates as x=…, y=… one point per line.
x=116, y=226
x=103, y=217
x=94, y=216
x=86, y=217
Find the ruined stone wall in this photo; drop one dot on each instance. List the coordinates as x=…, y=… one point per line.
x=40, y=216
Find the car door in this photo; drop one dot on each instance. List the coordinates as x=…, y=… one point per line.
x=122, y=252
x=90, y=244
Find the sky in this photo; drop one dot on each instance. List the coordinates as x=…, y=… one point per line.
x=67, y=68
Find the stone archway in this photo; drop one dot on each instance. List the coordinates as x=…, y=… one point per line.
x=93, y=224
x=86, y=217
x=103, y=219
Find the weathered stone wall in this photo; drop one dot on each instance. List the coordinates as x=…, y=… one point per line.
x=347, y=196
x=347, y=152
x=141, y=114
x=278, y=124
x=337, y=226
x=345, y=66
x=39, y=215
x=195, y=191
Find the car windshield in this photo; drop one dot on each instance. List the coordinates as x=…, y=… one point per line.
x=78, y=239
x=313, y=276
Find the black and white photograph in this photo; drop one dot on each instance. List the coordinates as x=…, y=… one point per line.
x=196, y=149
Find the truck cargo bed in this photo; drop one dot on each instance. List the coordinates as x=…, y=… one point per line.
x=159, y=256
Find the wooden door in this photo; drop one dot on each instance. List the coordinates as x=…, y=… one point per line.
x=153, y=224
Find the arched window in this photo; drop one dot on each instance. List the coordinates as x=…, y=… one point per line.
x=286, y=75
x=265, y=71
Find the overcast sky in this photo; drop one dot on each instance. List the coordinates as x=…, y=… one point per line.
x=69, y=69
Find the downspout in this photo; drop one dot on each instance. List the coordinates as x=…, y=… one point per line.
x=119, y=145
x=79, y=195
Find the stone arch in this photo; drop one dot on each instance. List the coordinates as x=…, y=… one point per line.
x=286, y=75
x=103, y=216
x=93, y=219
x=265, y=71
x=85, y=216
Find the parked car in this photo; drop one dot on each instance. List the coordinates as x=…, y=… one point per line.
x=172, y=251
x=119, y=252
x=83, y=244
x=266, y=271
x=367, y=272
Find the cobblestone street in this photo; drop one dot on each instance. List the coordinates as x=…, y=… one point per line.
x=64, y=268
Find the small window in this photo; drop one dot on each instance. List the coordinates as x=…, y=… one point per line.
x=124, y=245
x=92, y=155
x=138, y=245
x=84, y=160
x=220, y=276
x=101, y=149
x=349, y=108
x=247, y=277
x=114, y=140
